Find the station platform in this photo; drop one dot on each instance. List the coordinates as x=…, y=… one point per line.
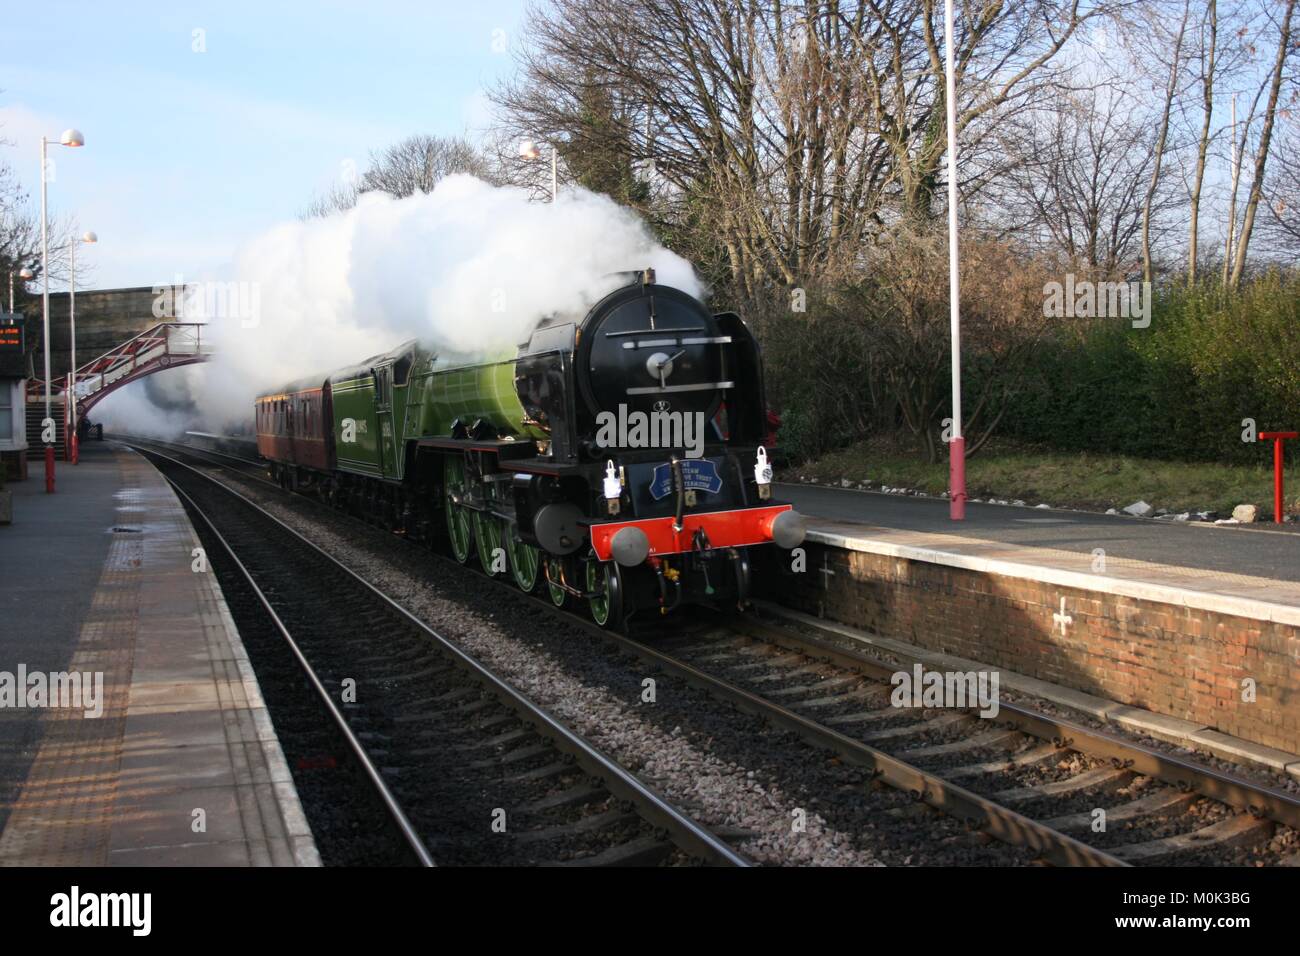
x=163, y=752
x=1245, y=569
x=1196, y=624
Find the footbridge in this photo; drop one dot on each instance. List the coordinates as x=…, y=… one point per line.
x=162, y=346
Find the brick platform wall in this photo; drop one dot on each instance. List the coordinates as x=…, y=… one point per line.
x=1169, y=659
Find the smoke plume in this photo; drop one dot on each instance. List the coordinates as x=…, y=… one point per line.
x=468, y=268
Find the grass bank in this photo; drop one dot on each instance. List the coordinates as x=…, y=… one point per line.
x=1087, y=480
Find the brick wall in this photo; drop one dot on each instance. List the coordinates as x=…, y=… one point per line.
x=1170, y=659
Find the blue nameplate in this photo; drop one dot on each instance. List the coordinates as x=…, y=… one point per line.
x=698, y=474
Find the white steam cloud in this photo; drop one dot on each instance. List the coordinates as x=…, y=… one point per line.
x=468, y=268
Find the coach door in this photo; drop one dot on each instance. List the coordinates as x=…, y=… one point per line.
x=387, y=444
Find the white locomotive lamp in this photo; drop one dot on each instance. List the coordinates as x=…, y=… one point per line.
x=763, y=475
x=613, y=488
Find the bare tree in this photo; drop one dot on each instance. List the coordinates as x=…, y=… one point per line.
x=786, y=134
x=416, y=164
x=1079, y=191
x=1171, y=90
x=20, y=232
x=1207, y=59
x=1274, y=82
x=1282, y=223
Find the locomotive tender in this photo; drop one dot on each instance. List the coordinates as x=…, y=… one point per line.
x=522, y=461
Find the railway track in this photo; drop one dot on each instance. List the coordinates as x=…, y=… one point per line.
x=469, y=770
x=1059, y=775
x=1024, y=778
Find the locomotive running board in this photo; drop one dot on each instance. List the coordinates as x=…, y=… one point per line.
x=499, y=446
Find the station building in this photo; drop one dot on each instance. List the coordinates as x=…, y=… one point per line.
x=13, y=392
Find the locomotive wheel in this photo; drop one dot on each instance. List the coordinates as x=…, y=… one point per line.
x=741, y=564
x=459, y=527
x=487, y=539
x=606, y=580
x=525, y=559
x=555, y=571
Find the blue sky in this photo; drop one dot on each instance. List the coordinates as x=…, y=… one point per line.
x=188, y=153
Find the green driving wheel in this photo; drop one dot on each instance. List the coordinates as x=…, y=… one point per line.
x=525, y=559
x=487, y=538
x=460, y=531
x=555, y=574
x=605, y=584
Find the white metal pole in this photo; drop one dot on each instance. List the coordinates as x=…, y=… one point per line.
x=72, y=370
x=957, y=447
x=45, y=320
x=554, y=180
x=1232, y=203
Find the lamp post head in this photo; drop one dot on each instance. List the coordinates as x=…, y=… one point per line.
x=90, y=237
x=26, y=273
x=528, y=149
x=72, y=137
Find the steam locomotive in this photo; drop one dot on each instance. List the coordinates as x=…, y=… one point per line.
x=616, y=460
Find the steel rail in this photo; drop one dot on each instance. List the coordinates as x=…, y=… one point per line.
x=385, y=795
x=686, y=832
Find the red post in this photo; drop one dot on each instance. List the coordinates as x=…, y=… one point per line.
x=957, y=479
x=70, y=421
x=49, y=469
x=1278, y=438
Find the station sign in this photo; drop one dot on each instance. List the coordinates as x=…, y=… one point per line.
x=11, y=345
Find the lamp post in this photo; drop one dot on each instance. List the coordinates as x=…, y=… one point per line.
x=70, y=138
x=74, y=443
x=25, y=274
x=529, y=150
x=957, y=447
